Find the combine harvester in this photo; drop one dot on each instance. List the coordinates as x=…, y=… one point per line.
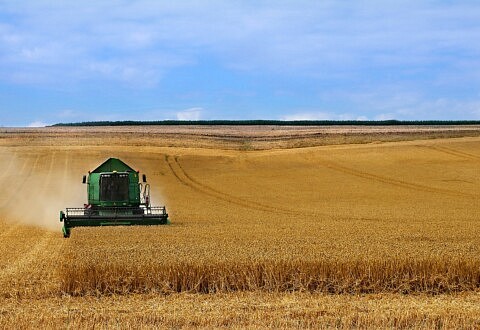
x=115, y=198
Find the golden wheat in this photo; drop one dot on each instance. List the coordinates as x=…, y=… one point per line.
x=353, y=277
x=245, y=310
x=329, y=228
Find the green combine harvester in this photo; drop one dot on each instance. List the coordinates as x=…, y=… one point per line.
x=115, y=198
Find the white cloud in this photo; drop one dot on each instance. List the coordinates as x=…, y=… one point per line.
x=138, y=75
x=322, y=116
x=37, y=124
x=122, y=40
x=385, y=116
x=308, y=116
x=442, y=109
x=389, y=104
x=189, y=114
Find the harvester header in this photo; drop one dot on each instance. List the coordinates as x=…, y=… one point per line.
x=116, y=197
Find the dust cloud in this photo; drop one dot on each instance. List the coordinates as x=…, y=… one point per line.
x=39, y=189
x=156, y=196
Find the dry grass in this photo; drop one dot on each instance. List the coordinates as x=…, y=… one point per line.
x=266, y=237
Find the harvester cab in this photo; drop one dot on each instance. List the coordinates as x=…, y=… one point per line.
x=115, y=198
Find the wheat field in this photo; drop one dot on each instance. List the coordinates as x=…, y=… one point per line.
x=269, y=229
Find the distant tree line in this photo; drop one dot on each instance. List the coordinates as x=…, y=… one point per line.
x=274, y=122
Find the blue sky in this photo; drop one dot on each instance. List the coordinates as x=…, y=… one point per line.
x=155, y=60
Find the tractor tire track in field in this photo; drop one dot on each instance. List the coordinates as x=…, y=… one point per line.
x=452, y=152
x=394, y=182
x=188, y=180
